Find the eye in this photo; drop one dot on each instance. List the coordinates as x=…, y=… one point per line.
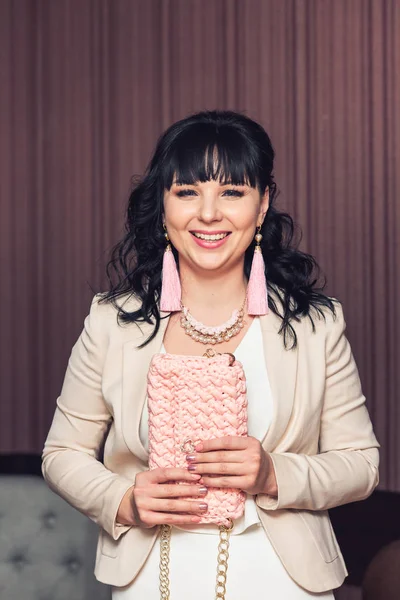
x=182, y=193
x=235, y=193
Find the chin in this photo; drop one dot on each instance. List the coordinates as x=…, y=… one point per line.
x=211, y=266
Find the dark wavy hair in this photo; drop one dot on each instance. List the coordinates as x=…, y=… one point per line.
x=227, y=147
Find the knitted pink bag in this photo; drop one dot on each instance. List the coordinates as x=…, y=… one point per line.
x=192, y=398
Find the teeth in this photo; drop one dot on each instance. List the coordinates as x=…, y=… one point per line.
x=210, y=237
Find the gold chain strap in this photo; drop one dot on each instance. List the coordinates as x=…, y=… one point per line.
x=165, y=541
x=222, y=566
x=223, y=555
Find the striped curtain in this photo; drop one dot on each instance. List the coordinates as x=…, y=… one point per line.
x=87, y=86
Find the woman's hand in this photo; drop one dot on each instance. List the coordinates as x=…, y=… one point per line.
x=241, y=463
x=152, y=501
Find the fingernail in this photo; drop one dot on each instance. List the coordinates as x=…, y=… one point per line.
x=203, y=506
x=199, y=447
x=191, y=467
x=203, y=490
x=196, y=476
x=190, y=457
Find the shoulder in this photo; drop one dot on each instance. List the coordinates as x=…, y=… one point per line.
x=326, y=319
x=323, y=315
x=321, y=322
x=104, y=312
x=127, y=302
x=327, y=335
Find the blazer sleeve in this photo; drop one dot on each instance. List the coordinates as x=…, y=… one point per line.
x=70, y=464
x=346, y=468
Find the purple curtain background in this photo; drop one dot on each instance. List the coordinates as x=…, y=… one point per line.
x=87, y=86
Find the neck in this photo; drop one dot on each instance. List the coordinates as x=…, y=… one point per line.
x=210, y=297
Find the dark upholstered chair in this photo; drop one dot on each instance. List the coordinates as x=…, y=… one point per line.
x=47, y=548
x=363, y=529
x=382, y=577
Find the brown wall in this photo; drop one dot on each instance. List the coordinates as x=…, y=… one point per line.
x=86, y=86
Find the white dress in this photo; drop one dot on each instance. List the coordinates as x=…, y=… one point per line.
x=254, y=569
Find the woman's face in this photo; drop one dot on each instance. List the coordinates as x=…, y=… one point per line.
x=211, y=225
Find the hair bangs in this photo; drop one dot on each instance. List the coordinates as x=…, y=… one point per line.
x=218, y=154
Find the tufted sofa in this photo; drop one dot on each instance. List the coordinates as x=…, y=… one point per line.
x=47, y=548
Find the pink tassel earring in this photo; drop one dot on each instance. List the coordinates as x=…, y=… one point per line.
x=170, y=300
x=257, y=294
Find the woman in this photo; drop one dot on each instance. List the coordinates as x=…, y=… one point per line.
x=209, y=191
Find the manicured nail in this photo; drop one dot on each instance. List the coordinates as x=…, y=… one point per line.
x=196, y=476
x=203, y=506
x=199, y=447
x=203, y=490
x=190, y=457
x=196, y=519
x=191, y=467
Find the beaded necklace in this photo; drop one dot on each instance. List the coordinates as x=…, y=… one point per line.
x=212, y=335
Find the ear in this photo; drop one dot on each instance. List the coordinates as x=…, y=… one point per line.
x=264, y=206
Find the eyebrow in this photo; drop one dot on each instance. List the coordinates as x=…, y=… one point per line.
x=182, y=183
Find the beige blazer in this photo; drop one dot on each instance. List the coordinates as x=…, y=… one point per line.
x=320, y=439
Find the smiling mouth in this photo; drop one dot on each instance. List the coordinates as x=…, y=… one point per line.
x=210, y=237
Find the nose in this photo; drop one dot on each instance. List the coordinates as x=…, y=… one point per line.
x=209, y=210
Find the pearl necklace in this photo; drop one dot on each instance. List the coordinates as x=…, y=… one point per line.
x=212, y=335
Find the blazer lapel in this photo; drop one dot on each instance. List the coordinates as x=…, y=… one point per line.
x=136, y=363
x=282, y=371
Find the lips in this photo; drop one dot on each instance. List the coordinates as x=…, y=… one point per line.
x=210, y=239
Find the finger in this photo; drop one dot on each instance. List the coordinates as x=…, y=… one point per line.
x=172, y=474
x=228, y=442
x=216, y=457
x=160, y=518
x=225, y=482
x=222, y=468
x=176, y=506
x=175, y=490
